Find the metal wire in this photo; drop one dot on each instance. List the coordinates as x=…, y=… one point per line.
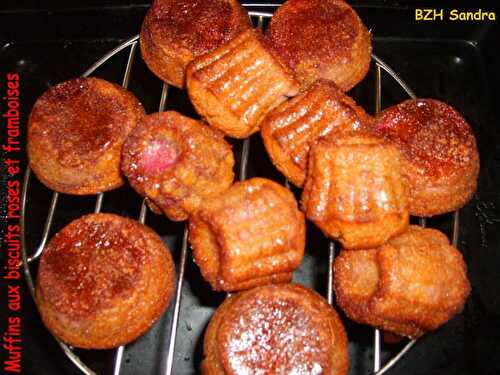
x=380, y=64
x=246, y=143
x=377, y=340
x=180, y=278
x=118, y=360
x=98, y=205
x=378, y=107
x=329, y=287
x=27, y=273
x=47, y=226
x=133, y=43
x=422, y=221
x=50, y=216
x=456, y=228
x=175, y=319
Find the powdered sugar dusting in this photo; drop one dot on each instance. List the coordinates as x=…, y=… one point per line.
x=275, y=336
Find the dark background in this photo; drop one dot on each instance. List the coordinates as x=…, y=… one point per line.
x=453, y=61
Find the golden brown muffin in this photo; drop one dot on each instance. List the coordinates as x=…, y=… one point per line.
x=354, y=190
x=177, y=162
x=253, y=234
x=290, y=130
x=103, y=281
x=275, y=329
x=174, y=32
x=236, y=85
x=321, y=39
x=412, y=284
x=441, y=161
x=356, y=280
x=75, y=134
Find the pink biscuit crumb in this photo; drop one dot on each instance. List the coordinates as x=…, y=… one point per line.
x=159, y=156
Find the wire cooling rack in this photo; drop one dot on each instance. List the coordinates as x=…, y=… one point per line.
x=381, y=70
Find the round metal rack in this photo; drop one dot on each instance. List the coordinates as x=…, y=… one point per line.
x=381, y=70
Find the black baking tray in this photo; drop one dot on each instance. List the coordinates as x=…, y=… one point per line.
x=453, y=61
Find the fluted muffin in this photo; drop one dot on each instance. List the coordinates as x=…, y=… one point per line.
x=321, y=39
x=275, y=329
x=440, y=156
x=174, y=32
x=252, y=234
x=354, y=191
x=177, y=162
x=290, y=130
x=236, y=85
x=75, y=134
x=103, y=281
x=412, y=284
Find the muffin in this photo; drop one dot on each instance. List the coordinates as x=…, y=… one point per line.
x=75, y=134
x=440, y=156
x=321, y=39
x=355, y=192
x=236, y=85
x=356, y=280
x=177, y=162
x=103, y=281
x=290, y=130
x=275, y=329
x=412, y=284
x=174, y=32
x=252, y=234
